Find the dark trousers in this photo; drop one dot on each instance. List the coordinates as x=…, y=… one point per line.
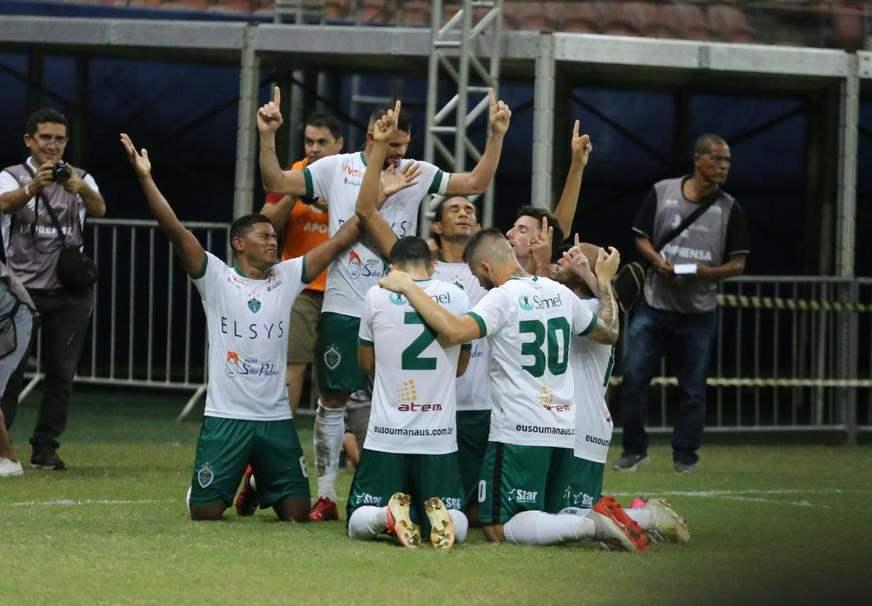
x=63, y=319
x=691, y=337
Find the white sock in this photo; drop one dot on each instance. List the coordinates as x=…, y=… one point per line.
x=540, y=528
x=641, y=516
x=367, y=522
x=461, y=524
x=327, y=440
x=188, y=500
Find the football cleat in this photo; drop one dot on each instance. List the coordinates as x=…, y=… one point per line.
x=399, y=523
x=324, y=510
x=441, y=526
x=615, y=527
x=667, y=521
x=246, y=498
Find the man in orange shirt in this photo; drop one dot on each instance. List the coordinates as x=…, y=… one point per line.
x=303, y=224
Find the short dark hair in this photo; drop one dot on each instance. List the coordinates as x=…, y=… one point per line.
x=404, y=124
x=41, y=116
x=328, y=121
x=478, y=239
x=537, y=213
x=410, y=250
x=704, y=143
x=243, y=224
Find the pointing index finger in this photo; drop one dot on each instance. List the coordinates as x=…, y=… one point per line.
x=397, y=107
x=277, y=95
x=575, y=130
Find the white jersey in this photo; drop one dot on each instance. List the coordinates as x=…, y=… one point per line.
x=337, y=179
x=248, y=329
x=413, y=398
x=473, y=388
x=529, y=323
x=592, y=364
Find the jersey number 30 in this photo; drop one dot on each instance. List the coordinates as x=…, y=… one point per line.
x=557, y=330
x=412, y=359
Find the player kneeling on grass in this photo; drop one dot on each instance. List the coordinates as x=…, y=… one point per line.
x=247, y=308
x=591, y=365
x=529, y=322
x=410, y=453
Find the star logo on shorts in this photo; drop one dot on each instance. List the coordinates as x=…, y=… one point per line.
x=205, y=476
x=332, y=358
x=254, y=305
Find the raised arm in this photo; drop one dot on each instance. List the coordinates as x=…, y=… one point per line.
x=187, y=247
x=568, y=203
x=452, y=330
x=273, y=178
x=278, y=212
x=368, y=197
x=477, y=181
x=608, y=326
x=322, y=255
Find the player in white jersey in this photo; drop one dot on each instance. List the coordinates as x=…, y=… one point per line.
x=410, y=452
x=592, y=365
x=529, y=322
x=338, y=178
x=247, y=306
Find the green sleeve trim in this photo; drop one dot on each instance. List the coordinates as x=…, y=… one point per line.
x=364, y=342
x=304, y=278
x=482, y=328
x=436, y=183
x=590, y=326
x=310, y=188
x=202, y=272
x=466, y=347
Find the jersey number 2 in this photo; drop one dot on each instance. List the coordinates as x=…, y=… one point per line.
x=411, y=359
x=558, y=346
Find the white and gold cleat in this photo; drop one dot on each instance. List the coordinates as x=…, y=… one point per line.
x=441, y=526
x=667, y=521
x=399, y=522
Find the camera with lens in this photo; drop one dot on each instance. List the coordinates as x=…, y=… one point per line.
x=60, y=173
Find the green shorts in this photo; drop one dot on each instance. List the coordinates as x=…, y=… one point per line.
x=522, y=478
x=473, y=427
x=226, y=446
x=586, y=484
x=337, y=353
x=421, y=476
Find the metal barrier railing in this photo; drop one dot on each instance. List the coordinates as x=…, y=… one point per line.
x=143, y=332
x=793, y=353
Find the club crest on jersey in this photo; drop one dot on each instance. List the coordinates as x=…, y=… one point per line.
x=524, y=302
x=332, y=357
x=397, y=299
x=205, y=476
x=231, y=365
x=254, y=305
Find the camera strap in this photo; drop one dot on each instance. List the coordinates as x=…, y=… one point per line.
x=54, y=219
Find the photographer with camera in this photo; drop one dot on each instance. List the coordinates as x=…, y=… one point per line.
x=44, y=202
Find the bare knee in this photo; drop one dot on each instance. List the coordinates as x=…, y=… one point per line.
x=292, y=510
x=494, y=533
x=208, y=513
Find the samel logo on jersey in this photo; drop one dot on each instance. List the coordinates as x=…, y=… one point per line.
x=397, y=299
x=524, y=302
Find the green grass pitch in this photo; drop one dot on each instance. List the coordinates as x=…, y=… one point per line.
x=771, y=523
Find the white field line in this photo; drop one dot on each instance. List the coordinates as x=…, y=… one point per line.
x=733, y=495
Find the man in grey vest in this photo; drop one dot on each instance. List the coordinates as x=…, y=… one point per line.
x=679, y=304
x=16, y=323
x=32, y=245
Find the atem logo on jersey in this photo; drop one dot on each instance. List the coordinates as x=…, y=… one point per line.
x=415, y=407
x=546, y=400
x=520, y=495
x=252, y=330
x=406, y=396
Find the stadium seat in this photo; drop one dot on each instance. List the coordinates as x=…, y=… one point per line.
x=529, y=16
x=627, y=18
x=230, y=6
x=376, y=11
x=729, y=24
x=683, y=21
x=847, y=19
x=578, y=17
x=337, y=9
x=144, y=2
x=415, y=12
x=186, y=5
